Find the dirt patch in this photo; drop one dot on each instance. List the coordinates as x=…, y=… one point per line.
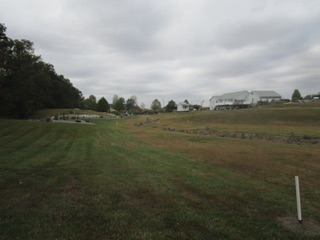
x=308, y=227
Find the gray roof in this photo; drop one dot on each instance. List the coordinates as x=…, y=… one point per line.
x=233, y=95
x=242, y=95
x=266, y=94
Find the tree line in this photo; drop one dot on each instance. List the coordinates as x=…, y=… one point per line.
x=296, y=96
x=120, y=105
x=27, y=83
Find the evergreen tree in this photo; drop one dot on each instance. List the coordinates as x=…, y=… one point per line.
x=130, y=103
x=103, y=105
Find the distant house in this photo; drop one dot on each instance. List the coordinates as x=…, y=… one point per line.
x=183, y=107
x=242, y=99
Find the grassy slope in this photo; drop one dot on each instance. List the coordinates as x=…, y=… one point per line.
x=270, y=121
x=109, y=181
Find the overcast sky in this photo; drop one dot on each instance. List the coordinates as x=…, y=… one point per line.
x=173, y=49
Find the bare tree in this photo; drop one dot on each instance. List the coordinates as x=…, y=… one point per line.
x=155, y=105
x=115, y=99
x=135, y=100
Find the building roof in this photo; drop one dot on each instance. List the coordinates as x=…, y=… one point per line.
x=184, y=104
x=266, y=94
x=242, y=95
x=233, y=95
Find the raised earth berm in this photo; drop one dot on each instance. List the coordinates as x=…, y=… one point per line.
x=292, y=139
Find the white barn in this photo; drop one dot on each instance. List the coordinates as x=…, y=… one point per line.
x=264, y=96
x=242, y=99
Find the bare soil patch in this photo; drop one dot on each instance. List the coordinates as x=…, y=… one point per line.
x=308, y=227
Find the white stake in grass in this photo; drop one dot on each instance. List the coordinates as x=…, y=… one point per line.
x=298, y=199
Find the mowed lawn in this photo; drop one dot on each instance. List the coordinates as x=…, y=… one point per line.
x=116, y=180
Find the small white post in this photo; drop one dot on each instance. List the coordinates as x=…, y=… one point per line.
x=298, y=199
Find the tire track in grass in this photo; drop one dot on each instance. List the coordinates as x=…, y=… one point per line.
x=33, y=146
x=19, y=147
x=17, y=130
x=47, y=171
x=48, y=151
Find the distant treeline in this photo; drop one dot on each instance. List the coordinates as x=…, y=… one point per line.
x=27, y=83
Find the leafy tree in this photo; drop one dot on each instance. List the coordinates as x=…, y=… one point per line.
x=92, y=102
x=171, y=106
x=186, y=101
x=6, y=45
x=296, y=95
x=120, y=104
x=134, y=99
x=196, y=107
x=156, y=105
x=103, y=105
x=28, y=84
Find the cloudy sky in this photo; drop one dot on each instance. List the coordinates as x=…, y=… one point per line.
x=174, y=49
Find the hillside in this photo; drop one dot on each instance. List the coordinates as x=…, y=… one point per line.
x=278, y=120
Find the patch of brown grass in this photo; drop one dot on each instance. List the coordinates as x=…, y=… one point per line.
x=267, y=160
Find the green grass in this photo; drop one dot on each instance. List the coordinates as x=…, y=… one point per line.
x=118, y=181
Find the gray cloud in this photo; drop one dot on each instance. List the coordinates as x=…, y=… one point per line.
x=173, y=49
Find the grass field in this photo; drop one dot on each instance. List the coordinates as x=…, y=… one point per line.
x=131, y=179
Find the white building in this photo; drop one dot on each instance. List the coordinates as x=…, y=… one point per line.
x=242, y=99
x=183, y=107
x=264, y=96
